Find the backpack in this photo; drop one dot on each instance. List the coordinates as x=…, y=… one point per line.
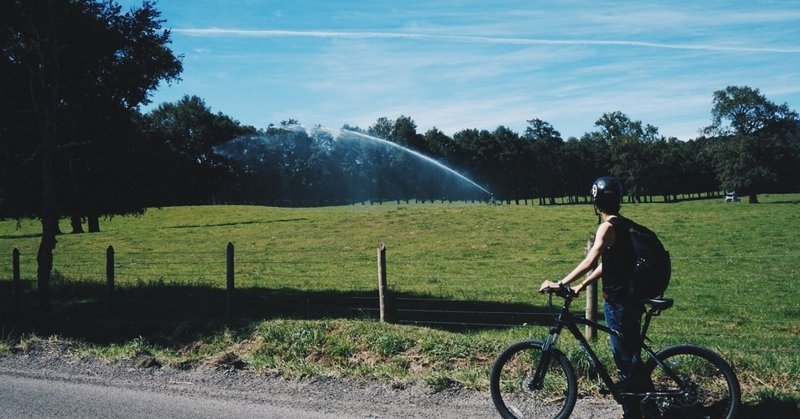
x=652, y=267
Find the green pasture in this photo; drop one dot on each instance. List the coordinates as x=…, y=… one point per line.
x=736, y=273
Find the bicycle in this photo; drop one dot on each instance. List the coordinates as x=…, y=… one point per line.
x=534, y=379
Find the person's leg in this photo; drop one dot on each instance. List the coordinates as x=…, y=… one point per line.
x=631, y=328
x=625, y=318
x=618, y=318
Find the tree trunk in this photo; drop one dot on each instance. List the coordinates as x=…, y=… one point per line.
x=753, y=198
x=49, y=219
x=75, y=221
x=94, y=223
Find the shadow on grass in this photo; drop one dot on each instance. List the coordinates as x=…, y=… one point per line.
x=288, y=220
x=173, y=315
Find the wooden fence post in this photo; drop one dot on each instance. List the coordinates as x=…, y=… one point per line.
x=591, y=297
x=109, y=278
x=15, y=285
x=382, y=288
x=230, y=286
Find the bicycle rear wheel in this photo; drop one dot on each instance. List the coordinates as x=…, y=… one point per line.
x=709, y=387
x=512, y=388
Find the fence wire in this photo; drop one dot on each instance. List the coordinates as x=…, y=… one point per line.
x=718, y=309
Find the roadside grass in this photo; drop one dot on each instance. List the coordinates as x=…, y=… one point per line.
x=735, y=281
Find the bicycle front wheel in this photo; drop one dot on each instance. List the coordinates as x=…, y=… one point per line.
x=514, y=393
x=708, y=387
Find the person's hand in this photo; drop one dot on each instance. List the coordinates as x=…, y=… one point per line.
x=577, y=289
x=547, y=285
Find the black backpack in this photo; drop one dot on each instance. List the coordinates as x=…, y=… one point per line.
x=652, y=266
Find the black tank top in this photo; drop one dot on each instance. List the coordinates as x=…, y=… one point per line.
x=618, y=263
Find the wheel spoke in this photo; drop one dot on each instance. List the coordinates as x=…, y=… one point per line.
x=708, y=388
x=512, y=389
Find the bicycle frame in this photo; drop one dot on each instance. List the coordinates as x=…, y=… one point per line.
x=567, y=320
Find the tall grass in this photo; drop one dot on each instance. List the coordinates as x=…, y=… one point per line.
x=735, y=277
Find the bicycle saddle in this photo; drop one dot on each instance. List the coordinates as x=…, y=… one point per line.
x=659, y=303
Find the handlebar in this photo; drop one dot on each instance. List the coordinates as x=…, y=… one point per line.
x=563, y=291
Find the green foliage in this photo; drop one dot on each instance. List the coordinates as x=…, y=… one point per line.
x=183, y=165
x=79, y=71
x=754, y=150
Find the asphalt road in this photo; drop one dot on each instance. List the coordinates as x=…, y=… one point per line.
x=26, y=397
x=48, y=381
x=113, y=391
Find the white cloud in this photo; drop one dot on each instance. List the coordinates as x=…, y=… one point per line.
x=268, y=33
x=460, y=66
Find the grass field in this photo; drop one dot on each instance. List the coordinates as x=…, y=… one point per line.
x=735, y=281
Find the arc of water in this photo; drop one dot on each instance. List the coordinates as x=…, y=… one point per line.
x=338, y=132
x=410, y=151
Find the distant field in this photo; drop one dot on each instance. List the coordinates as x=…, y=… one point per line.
x=736, y=267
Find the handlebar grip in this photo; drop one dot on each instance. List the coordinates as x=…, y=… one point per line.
x=563, y=291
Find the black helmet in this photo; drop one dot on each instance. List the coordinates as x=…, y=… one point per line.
x=607, y=194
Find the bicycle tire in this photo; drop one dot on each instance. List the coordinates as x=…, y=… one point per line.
x=511, y=377
x=710, y=389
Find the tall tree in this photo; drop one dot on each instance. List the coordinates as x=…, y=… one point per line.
x=81, y=59
x=756, y=135
x=187, y=131
x=546, y=146
x=405, y=133
x=630, y=151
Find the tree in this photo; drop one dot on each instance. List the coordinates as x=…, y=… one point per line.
x=84, y=64
x=546, y=172
x=185, y=134
x=631, y=152
x=382, y=128
x=511, y=165
x=756, y=135
x=405, y=133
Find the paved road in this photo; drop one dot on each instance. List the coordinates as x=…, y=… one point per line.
x=49, y=382
x=55, y=387
x=26, y=397
x=138, y=393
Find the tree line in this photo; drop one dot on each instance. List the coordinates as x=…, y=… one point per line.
x=751, y=146
x=74, y=142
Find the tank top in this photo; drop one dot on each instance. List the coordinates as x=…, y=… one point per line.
x=618, y=263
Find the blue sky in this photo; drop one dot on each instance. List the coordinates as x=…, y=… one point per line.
x=479, y=64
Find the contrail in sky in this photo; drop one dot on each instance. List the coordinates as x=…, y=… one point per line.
x=253, y=33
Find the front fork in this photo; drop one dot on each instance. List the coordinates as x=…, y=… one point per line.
x=537, y=381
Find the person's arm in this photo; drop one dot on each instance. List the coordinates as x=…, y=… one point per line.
x=603, y=238
x=591, y=279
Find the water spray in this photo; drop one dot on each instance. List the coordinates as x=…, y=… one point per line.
x=336, y=133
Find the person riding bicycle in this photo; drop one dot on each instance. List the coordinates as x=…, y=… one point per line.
x=622, y=312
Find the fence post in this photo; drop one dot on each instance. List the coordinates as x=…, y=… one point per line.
x=230, y=287
x=591, y=297
x=109, y=278
x=382, y=288
x=15, y=285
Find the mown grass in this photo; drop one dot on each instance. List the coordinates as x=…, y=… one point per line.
x=736, y=269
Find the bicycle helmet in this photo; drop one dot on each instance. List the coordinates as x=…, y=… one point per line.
x=607, y=194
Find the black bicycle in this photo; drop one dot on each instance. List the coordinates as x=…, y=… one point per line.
x=534, y=379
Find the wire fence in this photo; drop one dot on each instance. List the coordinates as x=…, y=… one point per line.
x=437, y=291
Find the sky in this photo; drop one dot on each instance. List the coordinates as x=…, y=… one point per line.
x=465, y=64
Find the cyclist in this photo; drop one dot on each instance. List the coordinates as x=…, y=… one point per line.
x=622, y=312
